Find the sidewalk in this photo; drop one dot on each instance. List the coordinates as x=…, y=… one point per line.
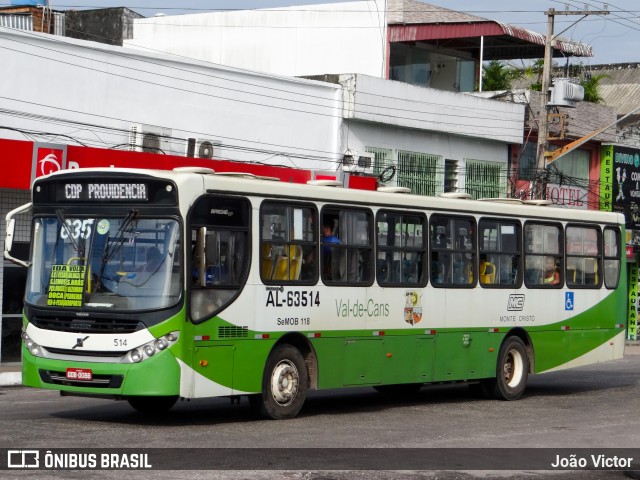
x=11, y=375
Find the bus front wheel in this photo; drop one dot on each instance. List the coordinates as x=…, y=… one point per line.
x=511, y=371
x=284, y=385
x=153, y=405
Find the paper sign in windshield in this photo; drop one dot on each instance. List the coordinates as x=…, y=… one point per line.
x=66, y=285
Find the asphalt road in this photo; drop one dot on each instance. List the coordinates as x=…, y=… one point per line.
x=592, y=408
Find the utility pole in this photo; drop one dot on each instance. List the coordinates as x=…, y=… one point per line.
x=540, y=190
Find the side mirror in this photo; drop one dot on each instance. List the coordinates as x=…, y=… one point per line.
x=11, y=227
x=8, y=241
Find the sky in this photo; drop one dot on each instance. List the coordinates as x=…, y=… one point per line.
x=615, y=38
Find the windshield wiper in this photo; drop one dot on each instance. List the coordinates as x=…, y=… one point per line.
x=65, y=225
x=118, y=239
x=113, y=246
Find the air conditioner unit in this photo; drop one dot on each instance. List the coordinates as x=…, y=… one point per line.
x=354, y=163
x=150, y=139
x=200, y=148
x=365, y=163
x=349, y=163
x=565, y=93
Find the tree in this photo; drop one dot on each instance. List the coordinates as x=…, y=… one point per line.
x=498, y=76
x=534, y=72
x=591, y=85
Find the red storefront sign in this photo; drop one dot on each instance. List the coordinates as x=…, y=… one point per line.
x=23, y=162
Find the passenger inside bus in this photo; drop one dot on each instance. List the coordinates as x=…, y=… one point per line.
x=551, y=271
x=328, y=238
x=487, y=271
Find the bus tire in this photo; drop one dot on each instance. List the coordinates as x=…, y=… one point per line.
x=512, y=371
x=284, y=384
x=153, y=405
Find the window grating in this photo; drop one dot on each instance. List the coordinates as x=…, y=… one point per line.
x=485, y=179
x=421, y=172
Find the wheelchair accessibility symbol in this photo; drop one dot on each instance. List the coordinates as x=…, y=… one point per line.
x=568, y=301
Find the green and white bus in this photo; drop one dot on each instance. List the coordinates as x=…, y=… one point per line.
x=153, y=286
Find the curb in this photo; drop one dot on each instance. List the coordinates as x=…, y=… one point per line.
x=8, y=379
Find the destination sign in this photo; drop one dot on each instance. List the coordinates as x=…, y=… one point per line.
x=131, y=189
x=105, y=191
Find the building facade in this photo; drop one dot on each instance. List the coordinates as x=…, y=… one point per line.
x=88, y=95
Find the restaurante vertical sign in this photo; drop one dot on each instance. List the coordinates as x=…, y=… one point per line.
x=606, y=178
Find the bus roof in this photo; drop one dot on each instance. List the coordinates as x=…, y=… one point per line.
x=329, y=192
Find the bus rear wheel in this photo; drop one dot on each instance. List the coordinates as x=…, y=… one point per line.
x=284, y=385
x=153, y=405
x=512, y=371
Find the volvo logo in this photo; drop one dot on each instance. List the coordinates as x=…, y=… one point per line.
x=79, y=342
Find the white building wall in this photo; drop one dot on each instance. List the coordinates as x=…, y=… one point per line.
x=375, y=100
x=360, y=135
x=90, y=93
x=294, y=41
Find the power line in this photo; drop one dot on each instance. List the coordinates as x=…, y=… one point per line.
x=261, y=95
x=246, y=92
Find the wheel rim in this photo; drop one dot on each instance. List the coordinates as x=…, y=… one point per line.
x=513, y=368
x=284, y=382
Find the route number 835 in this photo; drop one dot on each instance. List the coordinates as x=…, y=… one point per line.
x=76, y=229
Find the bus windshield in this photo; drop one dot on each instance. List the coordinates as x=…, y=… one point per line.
x=126, y=263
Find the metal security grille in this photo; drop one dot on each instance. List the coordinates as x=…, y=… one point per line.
x=485, y=179
x=382, y=159
x=421, y=172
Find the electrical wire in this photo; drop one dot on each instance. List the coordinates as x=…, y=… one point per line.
x=435, y=105
x=304, y=112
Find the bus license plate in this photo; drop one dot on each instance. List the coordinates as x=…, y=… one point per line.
x=82, y=374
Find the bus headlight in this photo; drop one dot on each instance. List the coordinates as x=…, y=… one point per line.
x=161, y=344
x=135, y=355
x=149, y=349
x=32, y=346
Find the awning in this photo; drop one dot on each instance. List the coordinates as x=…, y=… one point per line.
x=501, y=41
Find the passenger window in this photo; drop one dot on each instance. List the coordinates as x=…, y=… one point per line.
x=401, y=249
x=220, y=253
x=611, y=257
x=583, y=257
x=288, y=243
x=543, y=255
x=347, y=246
x=500, y=253
x=453, y=251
